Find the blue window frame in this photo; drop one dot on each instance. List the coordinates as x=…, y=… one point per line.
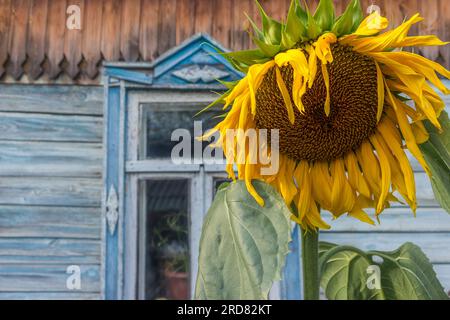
x=184, y=77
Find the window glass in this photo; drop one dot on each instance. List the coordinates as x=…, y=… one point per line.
x=167, y=239
x=160, y=121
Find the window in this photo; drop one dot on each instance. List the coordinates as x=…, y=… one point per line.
x=165, y=239
x=153, y=209
x=166, y=202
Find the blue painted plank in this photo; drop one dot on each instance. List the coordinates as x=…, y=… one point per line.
x=112, y=179
x=63, y=159
x=32, y=249
x=49, y=222
x=41, y=278
x=49, y=296
x=50, y=127
x=57, y=191
x=54, y=99
x=395, y=220
x=435, y=245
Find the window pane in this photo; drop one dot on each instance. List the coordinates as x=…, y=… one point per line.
x=167, y=239
x=161, y=121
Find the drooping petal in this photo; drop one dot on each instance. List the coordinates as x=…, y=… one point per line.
x=371, y=25
x=407, y=131
x=355, y=176
x=380, y=92
x=418, y=41
x=391, y=136
x=342, y=195
x=326, y=79
x=385, y=172
x=285, y=94
x=384, y=41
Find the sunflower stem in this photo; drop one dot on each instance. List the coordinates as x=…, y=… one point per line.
x=310, y=264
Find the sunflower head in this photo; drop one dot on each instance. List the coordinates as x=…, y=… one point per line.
x=346, y=101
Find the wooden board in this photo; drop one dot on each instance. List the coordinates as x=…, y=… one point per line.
x=395, y=220
x=46, y=248
x=62, y=159
x=18, y=37
x=73, y=100
x=141, y=30
x=49, y=296
x=54, y=40
x=443, y=274
x=58, y=191
x=50, y=127
x=434, y=244
x=36, y=37
x=50, y=222
x=41, y=278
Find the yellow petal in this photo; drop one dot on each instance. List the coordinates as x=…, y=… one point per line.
x=314, y=217
x=390, y=134
x=255, y=76
x=370, y=167
x=385, y=172
x=380, y=91
x=372, y=24
x=418, y=41
x=312, y=62
x=285, y=94
x=326, y=79
x=387, y=40
x=249, y=173
x=420, y=132
x=323, y=49
x=301, y=175
x=355, y=176
x=406, y=130
x=321, y=184
x=342, y=195
x=399, y=180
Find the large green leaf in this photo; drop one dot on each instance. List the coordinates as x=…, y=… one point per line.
x=348, y=273
x=437, y=155
x=243, y=245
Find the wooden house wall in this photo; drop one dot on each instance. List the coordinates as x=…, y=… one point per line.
x=50, y=193
x=36, y=45
x=50, y=190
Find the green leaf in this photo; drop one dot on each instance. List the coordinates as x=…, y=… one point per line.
x=324, y=14
x=271, y=28
x=243, y=245
x=258, y=33
x=300, y=12
x=269, y=50
x=294, y=30
x=248, y=57
x=348, y=273
x=350, y=18
x=437, y=155
x=313, y=29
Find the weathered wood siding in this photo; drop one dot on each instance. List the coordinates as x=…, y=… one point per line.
x=50, y=193
x=35, y=44
x=50, y=190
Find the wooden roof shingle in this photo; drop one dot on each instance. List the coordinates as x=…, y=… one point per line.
x=36, y=45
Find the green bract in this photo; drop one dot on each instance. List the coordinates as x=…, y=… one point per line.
x=300, y=26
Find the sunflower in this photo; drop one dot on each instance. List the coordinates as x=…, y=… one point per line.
x=347, y=103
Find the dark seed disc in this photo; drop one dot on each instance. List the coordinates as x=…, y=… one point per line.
x=314, y=136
